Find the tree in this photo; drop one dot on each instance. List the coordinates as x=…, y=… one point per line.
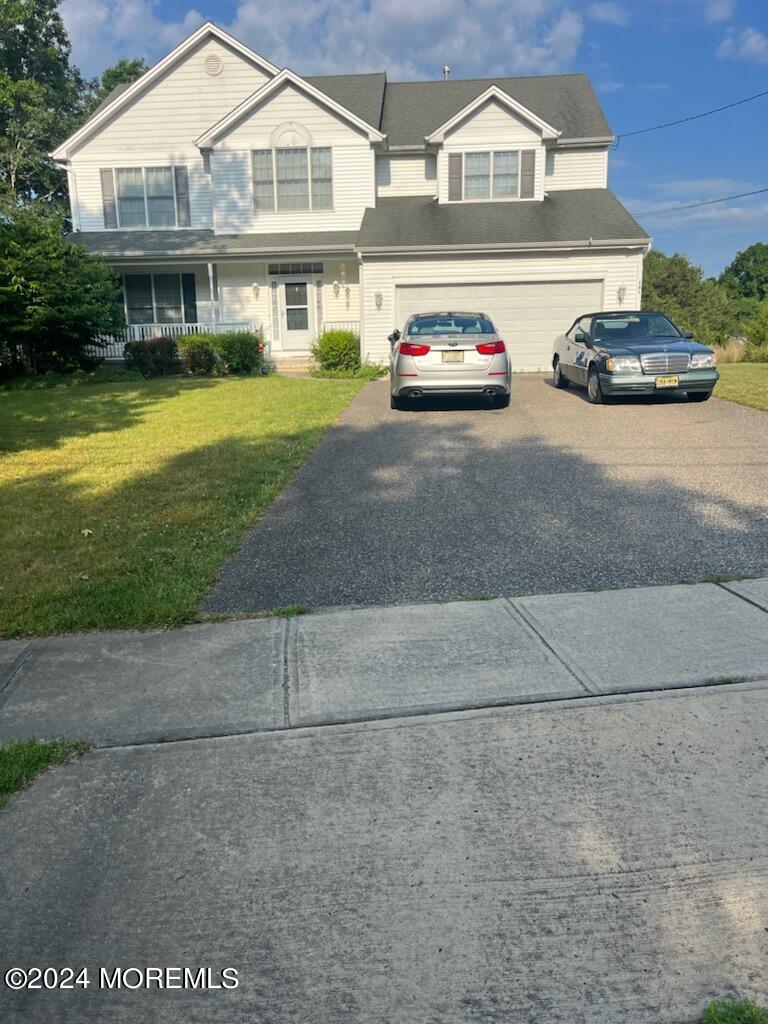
x=675, y=286
x=747, y=275
x=55, y=298
x=126, y=70
x=41, y=99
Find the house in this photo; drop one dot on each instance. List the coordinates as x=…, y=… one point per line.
x=227, y=191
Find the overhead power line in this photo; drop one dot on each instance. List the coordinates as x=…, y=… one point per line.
x=706, y=202
x=692, y=117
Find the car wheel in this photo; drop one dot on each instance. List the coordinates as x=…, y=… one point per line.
x=558, y=377
x=699, y=396
x=501, y=401
x=594, y=390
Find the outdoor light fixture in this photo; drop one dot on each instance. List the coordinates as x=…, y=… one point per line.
x=621, y=293
x=336, y=288
x=378, y=298
x=256, y=290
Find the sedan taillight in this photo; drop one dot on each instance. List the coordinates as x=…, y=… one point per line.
x=490, y=348
x=410, y=348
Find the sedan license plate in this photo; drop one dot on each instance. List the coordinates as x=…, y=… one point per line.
x=453, y=357
x=667, y=382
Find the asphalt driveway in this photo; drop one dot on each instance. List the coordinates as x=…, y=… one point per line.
x=552, y=495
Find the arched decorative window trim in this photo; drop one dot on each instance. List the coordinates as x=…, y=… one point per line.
x=290, y=135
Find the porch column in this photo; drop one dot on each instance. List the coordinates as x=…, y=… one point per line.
x=213, y=294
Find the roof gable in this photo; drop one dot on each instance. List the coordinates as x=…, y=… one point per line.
x=414, y=110
x=284, y=77
x=492, y=93
x=122, y=95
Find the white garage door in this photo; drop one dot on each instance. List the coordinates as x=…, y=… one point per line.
x=528, y=316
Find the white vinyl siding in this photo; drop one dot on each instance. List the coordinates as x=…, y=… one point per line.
x=351, y=168
x=178, y=108
x=615, y=269
x=576, y=168
x=406, y=175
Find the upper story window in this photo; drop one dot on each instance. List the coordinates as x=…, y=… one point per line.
x=295, y=178
x=493, y=174
x=138, y=197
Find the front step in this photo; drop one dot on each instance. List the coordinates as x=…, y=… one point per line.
x=289, y=364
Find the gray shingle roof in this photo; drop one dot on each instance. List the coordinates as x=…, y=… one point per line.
x=575, y=215
x=204, y=243
x=361, y=94
x=567, y=102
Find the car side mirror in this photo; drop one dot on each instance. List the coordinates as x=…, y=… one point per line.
x=687, y=334
x=581, y=338
x=394, y=336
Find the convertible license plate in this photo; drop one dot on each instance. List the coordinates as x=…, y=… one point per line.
x=453, y=357
x=667, y=382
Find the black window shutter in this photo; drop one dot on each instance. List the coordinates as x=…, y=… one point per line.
x=527, y=173
x=108, y=197
x=454, y=176
x=182, y=197
x=190, y=298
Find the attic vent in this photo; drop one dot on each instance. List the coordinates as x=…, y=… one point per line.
x=213, y=65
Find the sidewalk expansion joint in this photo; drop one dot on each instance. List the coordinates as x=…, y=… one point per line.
x=743, y=597
x=288, y=638
x=585, y=700
x=520, y=615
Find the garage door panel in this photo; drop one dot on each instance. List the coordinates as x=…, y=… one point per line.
x=528, y=315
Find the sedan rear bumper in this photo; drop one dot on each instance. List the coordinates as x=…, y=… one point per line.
x=645, y=384
x=450, y=383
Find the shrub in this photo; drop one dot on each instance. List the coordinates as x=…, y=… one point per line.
x=241, y=351
x=757, y=335
x=198, y=353
x=337, y=350
x=733, y=351
x=731, y=1011
x=153, y=357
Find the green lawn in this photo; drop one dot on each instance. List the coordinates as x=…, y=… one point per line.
x=118, y=501
x=21, y=761
x=746, y=383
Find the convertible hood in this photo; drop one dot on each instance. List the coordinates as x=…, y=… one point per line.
x=652, y=343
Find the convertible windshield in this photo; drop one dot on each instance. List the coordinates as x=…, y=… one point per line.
x=453, y=324
x=634, y=325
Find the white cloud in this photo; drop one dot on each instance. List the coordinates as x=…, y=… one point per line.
x=408, y=39
x=102, y=31
x=718, y=10
x=748, y=44
x=609, y=13
x=608, y=85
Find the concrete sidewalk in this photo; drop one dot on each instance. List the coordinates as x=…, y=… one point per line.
x=375, y=663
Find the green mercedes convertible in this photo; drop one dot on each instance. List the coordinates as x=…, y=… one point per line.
x=641, y=353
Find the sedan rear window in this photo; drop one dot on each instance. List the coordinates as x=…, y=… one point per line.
x=453, y=324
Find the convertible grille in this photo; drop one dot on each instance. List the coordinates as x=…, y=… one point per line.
x=664, y=362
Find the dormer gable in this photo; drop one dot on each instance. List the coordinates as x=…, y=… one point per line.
x=498, y=99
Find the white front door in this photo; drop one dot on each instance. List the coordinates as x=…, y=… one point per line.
x=297, y=333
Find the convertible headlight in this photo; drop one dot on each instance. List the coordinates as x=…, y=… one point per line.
x=703, y=361
x=623, y=364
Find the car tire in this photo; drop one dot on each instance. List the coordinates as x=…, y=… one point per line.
x=699, y=396
x=595, y=394
x=501, y=401
x=558, y=377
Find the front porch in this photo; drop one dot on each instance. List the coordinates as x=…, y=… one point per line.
x=288, y=303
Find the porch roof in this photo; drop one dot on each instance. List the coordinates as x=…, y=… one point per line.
x=205, y=244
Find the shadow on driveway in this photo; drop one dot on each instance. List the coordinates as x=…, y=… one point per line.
x=456, y=499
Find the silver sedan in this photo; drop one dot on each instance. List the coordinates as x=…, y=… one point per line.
x=449, y=353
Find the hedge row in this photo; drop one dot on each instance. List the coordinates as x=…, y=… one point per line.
x=240, y=352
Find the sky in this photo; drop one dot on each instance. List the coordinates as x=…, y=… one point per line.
x=650, y=62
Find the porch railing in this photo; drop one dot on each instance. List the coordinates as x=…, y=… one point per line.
x=113, y=345
x=342, y=325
